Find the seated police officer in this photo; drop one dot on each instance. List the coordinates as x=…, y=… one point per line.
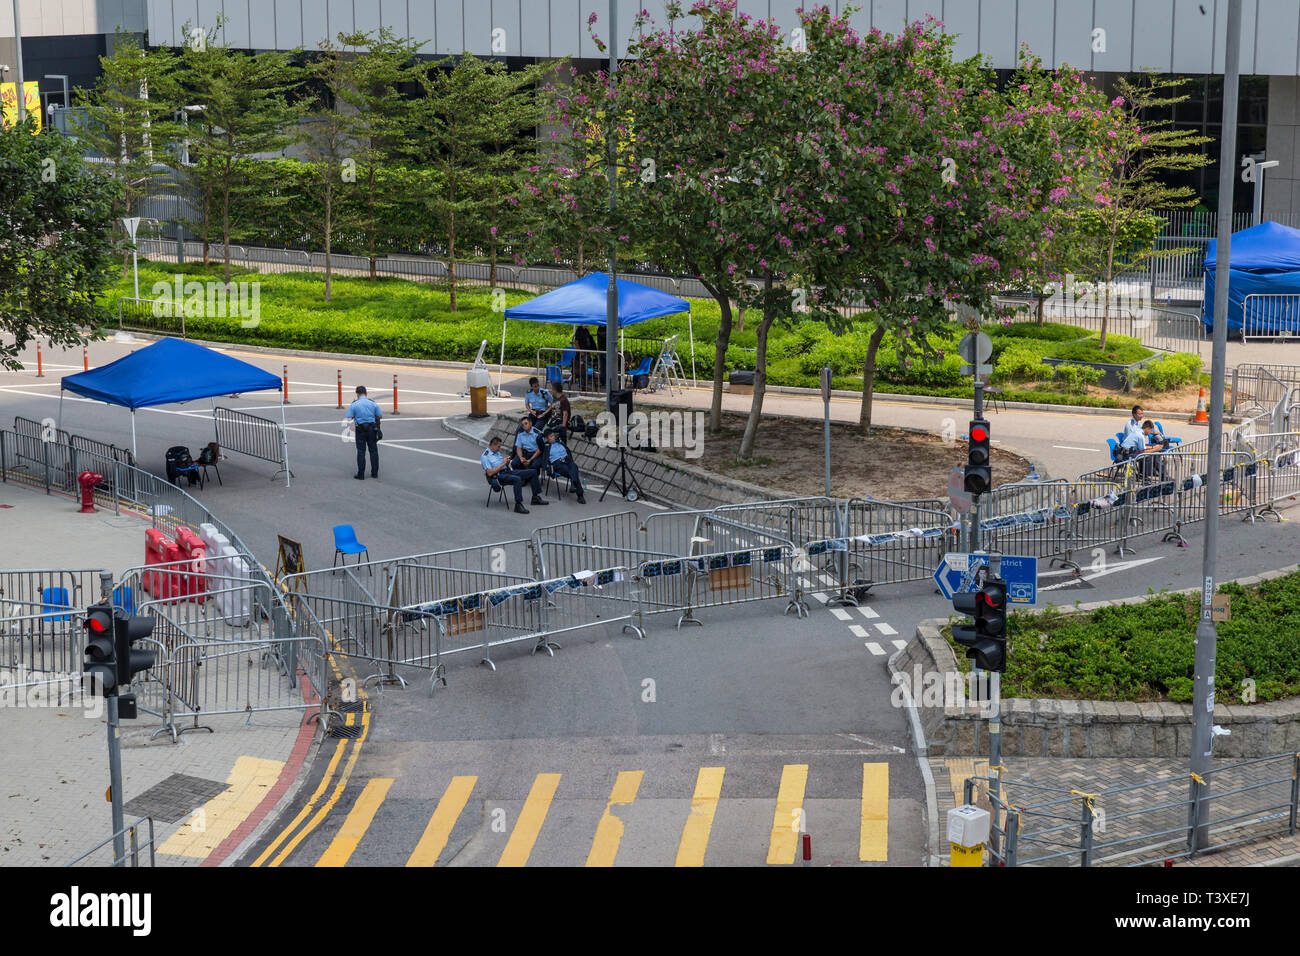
x=537, y=403
x=497, y=467
x=527, y=459
x=1136, y=445
x=562, y=462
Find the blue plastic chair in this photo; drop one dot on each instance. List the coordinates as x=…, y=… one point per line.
x=345, y=543
x=124, y=598
x=1161, y=429
x=1114, y=449
x=54, y=604
x=643, y=369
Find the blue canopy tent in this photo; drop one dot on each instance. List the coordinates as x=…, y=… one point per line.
x=169, y=370
x=583, y=302
x=1263, y=260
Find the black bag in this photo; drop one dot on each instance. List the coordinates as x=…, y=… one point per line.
x=179, y=462
x=379, y=432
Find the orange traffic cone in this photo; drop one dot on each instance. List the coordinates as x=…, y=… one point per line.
x=1200, y=418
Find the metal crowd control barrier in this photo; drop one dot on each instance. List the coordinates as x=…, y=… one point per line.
x=515, y=557
x=131, y=840
x=41, y=610
x=158, y=316
x=253, y=436
x=1270, y=316
x=1140, y=824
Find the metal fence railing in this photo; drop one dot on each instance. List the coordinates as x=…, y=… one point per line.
x=102, y=853
x=1079, y=823
x=254, y=436
x=1270, y=316
x=156, y=316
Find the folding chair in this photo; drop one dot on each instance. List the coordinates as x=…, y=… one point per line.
x=208, y=458
x=345, y=543
x=552, y=478
x=1161, y=429
x=993, y=395
x=54, y=604
x=495, y=488
x=124, y=598
x=644, y=368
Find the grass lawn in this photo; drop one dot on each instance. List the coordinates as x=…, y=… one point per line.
x=410, y=319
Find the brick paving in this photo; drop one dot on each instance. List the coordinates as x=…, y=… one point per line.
x=1155, y=803
x=206, y=791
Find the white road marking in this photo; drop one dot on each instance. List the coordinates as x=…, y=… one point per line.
x=867, y=612
x=900, y=644
x=1077, y=448
x=821, y=597
x=806, y=584
x=827, y=580
x=840, y=613
x=1109, y=569
x=858, y=630
x=404, y=440
x=885, y=629
x=875, y=649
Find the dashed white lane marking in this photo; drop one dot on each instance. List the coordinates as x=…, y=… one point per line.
x=875, y=649
x=806, y=584
x=858, y=630
x=884, y=628
x=840, y=613
x=868, y=613
x=827, y=580
x=1075, y=448
x=900, y=644
x=821, y=597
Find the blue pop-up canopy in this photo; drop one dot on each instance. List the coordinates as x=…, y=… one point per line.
x=1263, y=260
x=583, y=302
x=170, y=370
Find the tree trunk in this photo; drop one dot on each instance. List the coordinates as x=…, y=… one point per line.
x=451, y=261
x=740, y=319
x=580, y=257
x=492, y=267
x=1040, y=306
x=328, y=236
x=1105, y=314
x=720, y=363
x=370, y=221
x=869, y=377
x=760, y=373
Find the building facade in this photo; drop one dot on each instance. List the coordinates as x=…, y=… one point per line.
x=1109, y=37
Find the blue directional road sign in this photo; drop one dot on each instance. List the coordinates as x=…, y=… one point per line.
x=958, y=573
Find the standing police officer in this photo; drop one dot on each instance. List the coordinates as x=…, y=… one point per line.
x=365, y=414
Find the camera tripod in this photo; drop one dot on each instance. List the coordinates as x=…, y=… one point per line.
x=626, y=479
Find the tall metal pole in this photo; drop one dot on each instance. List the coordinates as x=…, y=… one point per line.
x=611, y=158
x=18, y=57
x=1206, y=633
x=114, y=748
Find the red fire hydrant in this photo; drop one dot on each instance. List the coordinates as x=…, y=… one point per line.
x=88, y=480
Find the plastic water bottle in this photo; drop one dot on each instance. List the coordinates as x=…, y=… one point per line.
x=1033, y=472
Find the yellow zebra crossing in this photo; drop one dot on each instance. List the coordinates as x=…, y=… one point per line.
x=692, y=839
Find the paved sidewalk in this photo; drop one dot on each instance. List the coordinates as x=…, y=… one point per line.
x=1265, y=844
x=206, y=793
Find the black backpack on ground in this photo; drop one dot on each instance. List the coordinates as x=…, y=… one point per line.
x=179, y=462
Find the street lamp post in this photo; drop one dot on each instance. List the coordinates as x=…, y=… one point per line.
x=1259, y=189
x=611, y=158
x=1206, y=633
x=18, y=58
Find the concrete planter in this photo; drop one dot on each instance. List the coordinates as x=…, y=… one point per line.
x=1112, y=376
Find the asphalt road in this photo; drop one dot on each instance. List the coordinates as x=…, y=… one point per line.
x=713, y=745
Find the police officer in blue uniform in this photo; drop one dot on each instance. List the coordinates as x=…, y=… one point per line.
x=365, y=415
x=495, y=467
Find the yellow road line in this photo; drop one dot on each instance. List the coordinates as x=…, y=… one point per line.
x=530, y=821
x=438, y=831
x=328, y=805
x=302, y=814
x=695, y=834
x=787, y=822
x=207, y=826
x=609, y=832
x=874, y=844
x=356, y=824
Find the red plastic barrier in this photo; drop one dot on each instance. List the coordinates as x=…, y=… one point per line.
x=190, y=546
x=160, y=549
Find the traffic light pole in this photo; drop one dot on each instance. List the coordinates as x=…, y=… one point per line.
x=973, y=536
x=114, y=746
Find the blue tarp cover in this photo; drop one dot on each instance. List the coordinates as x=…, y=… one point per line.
x=1264, y=260
x=582, y=302
x=171, y=370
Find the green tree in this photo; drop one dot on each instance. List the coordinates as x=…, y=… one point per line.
x=246, y=108
x=56, y=250
x=1137, y=153
x=126, y=120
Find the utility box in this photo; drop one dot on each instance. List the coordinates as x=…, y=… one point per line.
x=478, y=380
x=968, y=831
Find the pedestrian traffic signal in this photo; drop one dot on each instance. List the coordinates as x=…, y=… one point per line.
x=131, y=662
x=985, y=639
x=979, y=473
x=101, y=648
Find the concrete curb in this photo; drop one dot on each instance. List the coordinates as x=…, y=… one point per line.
x=923, y=762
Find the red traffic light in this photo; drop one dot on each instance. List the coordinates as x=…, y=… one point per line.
x=979, y=434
